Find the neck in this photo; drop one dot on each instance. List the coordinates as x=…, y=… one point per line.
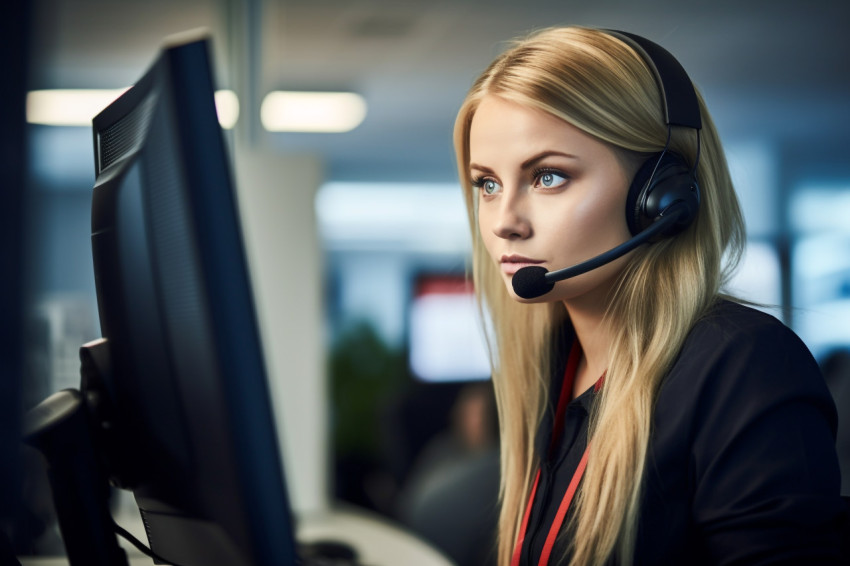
x=595, y=339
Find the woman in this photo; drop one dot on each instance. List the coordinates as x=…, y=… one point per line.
x=694, y=429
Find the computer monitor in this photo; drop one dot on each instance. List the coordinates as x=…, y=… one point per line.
x=447, y=340
x=187, y=389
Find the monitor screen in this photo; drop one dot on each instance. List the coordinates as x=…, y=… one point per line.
x=187, y=384
x=447, y=340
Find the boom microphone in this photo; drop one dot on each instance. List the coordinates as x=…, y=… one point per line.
x=534, y=281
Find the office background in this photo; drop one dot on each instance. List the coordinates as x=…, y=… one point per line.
x=364, y=217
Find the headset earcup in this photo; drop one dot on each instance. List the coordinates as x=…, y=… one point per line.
x=651, y=195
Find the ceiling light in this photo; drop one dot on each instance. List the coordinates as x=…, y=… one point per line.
x=312, y=111
x=227, y=108
x=66, y=107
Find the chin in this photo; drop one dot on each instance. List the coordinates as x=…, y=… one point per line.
x=535, y=300
x=544, y=298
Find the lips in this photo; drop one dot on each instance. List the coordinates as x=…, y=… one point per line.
x=512, y=263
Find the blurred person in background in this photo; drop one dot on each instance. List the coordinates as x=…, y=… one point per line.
x=450, y=496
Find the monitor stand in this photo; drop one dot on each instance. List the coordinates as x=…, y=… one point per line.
x=62, y=428
x=77, y=434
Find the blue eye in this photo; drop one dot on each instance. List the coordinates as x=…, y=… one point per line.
x=549, y=179
x=487, y=186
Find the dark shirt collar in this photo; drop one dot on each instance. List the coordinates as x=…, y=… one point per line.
x=562, y=340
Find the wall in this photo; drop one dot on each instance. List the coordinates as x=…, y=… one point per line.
x=276, y=195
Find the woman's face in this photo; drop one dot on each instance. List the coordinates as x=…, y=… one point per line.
x=548, y=195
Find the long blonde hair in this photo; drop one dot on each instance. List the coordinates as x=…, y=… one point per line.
x=598, y=84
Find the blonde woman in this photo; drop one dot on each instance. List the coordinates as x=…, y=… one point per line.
x=645, y=418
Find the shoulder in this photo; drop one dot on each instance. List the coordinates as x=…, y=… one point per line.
x=746, y=412
x=738, y=344
x=733, y=324
x=737, y=359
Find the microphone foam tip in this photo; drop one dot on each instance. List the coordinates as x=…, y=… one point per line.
x=530, y=282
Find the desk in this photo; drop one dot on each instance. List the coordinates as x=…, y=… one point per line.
x=378, y=541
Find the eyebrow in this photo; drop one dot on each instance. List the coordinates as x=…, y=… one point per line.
x=530, y=161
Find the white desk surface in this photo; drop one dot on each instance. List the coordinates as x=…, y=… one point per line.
x=378, y=542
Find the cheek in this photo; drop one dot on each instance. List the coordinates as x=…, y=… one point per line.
x=605, y=212
x=586, y=213
x=593, y=223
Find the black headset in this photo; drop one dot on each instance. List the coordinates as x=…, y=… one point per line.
x=665, y=178
x=664, y=197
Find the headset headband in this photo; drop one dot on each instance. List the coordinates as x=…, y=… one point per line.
x=681, y=106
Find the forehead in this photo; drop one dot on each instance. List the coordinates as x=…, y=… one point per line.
x=503, y=130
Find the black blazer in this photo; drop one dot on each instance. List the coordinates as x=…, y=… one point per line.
x=741, y=466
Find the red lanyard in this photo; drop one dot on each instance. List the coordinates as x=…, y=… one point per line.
x=563, y=400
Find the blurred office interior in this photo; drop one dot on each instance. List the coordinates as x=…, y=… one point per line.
x=358, y=240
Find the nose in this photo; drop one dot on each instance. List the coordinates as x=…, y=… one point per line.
x=512, y=220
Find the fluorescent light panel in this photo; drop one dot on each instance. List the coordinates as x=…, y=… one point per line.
x=283, y=111
x=66, y=107
x=227, y=107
